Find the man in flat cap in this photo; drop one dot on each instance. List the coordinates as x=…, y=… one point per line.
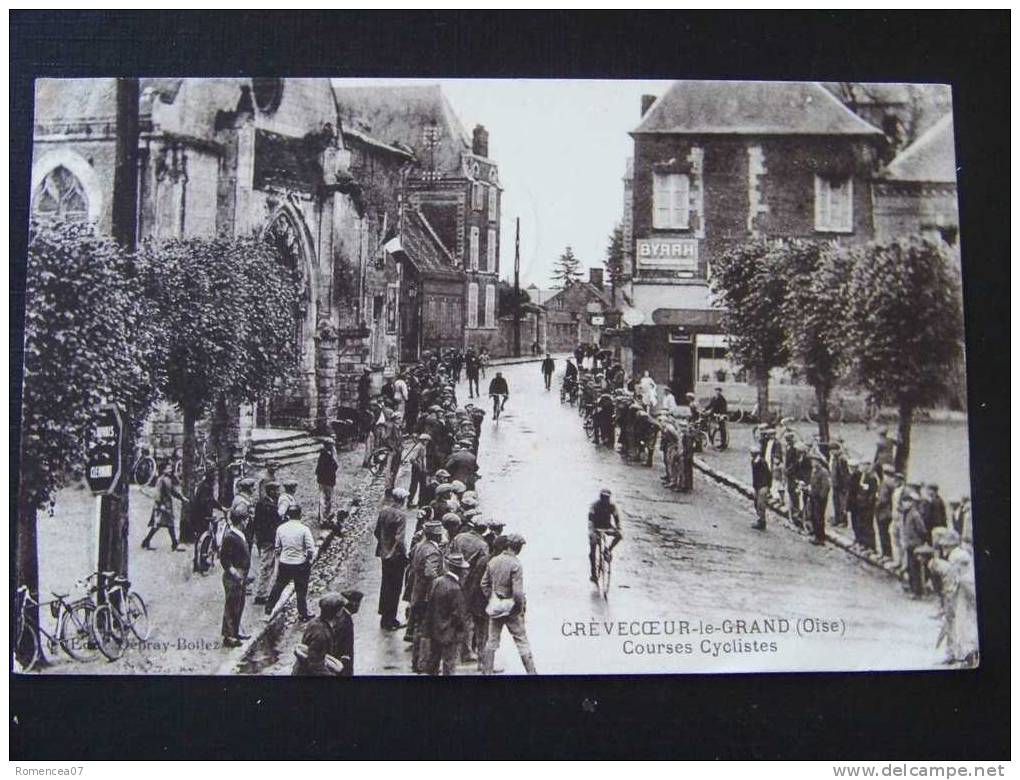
x=884, y=509
x=319, y=640
x=475, y=551
x=417, y=456
x=446, y=619
x=819, y=487
x=839, y=468
x=915, y=534
x=288, y=497
x=391, y=550
x=235, y=559
x=244, y=503
x=504, y=576
x=761, y=480
x=345, y=630
x=426, y=566
x=265, y=523
x=295, y=549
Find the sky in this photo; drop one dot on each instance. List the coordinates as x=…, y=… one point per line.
x=562, y=148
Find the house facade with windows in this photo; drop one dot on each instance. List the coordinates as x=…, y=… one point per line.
x=454, y=188
x=720, y=163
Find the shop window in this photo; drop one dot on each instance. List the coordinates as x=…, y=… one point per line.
x=671, y=194
x=834, y=204
x=472, y=305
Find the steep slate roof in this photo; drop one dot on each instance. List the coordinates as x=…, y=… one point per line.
x=751, y=108
x=419, y=242
x=931, y=158
x=399, y=115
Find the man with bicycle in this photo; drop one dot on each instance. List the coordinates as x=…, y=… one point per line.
x=602, y=518
x=499, y=392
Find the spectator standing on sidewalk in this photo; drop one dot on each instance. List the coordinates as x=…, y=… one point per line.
x=504, y=576
x=761, y=480
x=446, y=619
x=914, y=535
x=236, y=560
x=345, y=630
x=319, y=640
x=426, y=566
x=862, y=509
x=391, y=550
x=820, y=485
x=325, y=475
x=884, y=509
x=295, y=549
x=840, y=470
x=418, y=458
x=265, y=523
x=288, y=497
x=472, y=370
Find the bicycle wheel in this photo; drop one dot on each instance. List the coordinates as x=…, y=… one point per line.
x=589, y=427
x=203, y=553
x=26, y=648
x=74, y=632
x=607, y=571
x=138, y=616
x=724, y=437
x=109, y=632
x=144, y=469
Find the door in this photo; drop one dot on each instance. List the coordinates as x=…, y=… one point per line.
x=681, y=370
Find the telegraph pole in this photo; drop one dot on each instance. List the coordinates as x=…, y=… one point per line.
x=517, y=291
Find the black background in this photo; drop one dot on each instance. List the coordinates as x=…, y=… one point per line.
x=879, y=715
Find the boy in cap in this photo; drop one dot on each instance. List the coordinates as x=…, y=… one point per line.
x=446, y=619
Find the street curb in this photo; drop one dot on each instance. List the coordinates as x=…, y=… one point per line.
x=513, y=361
x=239, y=655
x=837, y=539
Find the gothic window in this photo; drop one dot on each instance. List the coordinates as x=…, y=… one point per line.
x=60, y=196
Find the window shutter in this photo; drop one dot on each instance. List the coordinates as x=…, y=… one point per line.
x=493, y=201
x=660, y=201
x=474, y=249
x=490, y=306
x=821, y=203
x=472, y=305
x=490, y=250
x=681, y=200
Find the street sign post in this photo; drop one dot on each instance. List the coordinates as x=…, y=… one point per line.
x=104, y=451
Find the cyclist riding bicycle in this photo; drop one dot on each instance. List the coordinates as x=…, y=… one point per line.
x=602, y=518
x=499, y=392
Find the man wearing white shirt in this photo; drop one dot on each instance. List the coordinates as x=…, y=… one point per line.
x=295, y=549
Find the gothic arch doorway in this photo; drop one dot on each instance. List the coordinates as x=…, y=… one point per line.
x=291, y=405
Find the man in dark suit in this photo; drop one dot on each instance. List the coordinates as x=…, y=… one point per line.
x=446, y=620
x=426, y=565
x=344, y=627
x=761, y=480
x=862, y=508
x=235, y=558
x=391, y=549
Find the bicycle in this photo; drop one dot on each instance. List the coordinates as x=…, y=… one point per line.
x=381, y=455
x=207, y=548
x=144, y=468
x=589, y=423
x=498, y=402
x=717, y=433
x=74, y=635
x=603, y=563
x=117, y=595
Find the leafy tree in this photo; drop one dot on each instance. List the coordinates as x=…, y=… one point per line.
x=505, y=300
x=615, y=267
x=89, y=340
x=567, y=269
x=815, y=312
x=907, y=326
x=751, y=291
x=228, y=307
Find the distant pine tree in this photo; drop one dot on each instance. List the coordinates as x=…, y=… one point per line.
x=567, y=269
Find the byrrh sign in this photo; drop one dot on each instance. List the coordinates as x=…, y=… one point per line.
x=667, y=258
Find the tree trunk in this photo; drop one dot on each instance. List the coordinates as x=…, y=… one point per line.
x=188, y=470
x=903, y=448
x=224, y=433
x=822, y=397
x=28, y=557
x=762, y=383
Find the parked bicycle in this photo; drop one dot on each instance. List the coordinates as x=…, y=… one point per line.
x=74, y=633
x=116, y=594
x=143, y=471
x=717, y=431
x=207, y=548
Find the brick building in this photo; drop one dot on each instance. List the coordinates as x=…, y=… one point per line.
x=237, y=156
x=455, y=188
x=916, y=192
x=576, y=314
x=717, y=163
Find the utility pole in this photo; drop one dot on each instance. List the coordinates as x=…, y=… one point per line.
x=517, y=291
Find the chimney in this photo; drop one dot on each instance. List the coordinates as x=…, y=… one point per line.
x=595, y=277
x=480, y=141
x=646, y=103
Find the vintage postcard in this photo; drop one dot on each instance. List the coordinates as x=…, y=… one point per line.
x=391, y=377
